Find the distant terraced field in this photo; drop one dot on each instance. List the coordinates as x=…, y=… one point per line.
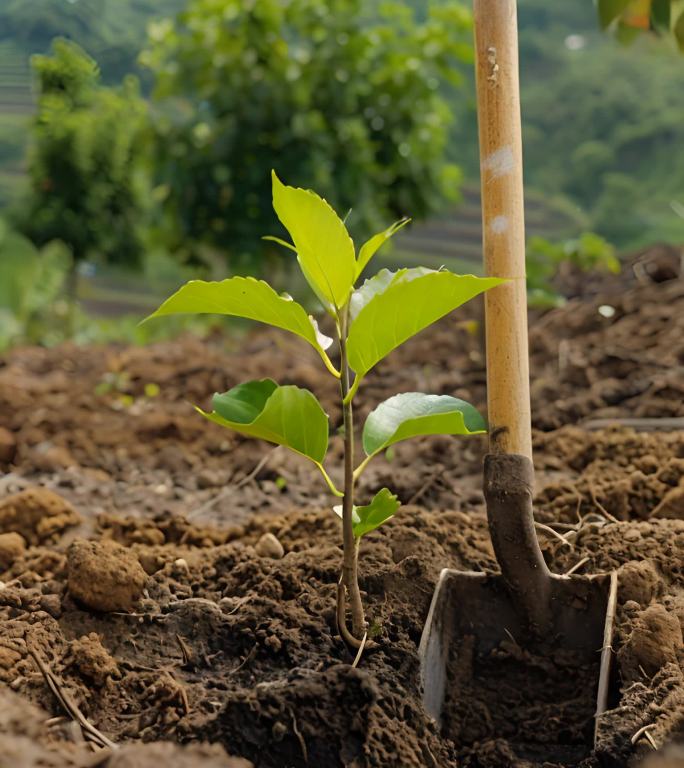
x=16, y=108
x=455, y=239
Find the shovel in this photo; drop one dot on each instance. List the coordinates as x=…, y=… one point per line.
x=526, y=626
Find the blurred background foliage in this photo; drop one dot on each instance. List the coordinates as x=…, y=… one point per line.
x=87, y=183
x=342, y=96
x=139, y=135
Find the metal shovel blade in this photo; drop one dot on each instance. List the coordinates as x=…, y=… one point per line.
x=525, y=634
x=479, y=606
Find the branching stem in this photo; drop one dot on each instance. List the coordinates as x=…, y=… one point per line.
x=329, y=482
x=328, y=364
x=352, y=391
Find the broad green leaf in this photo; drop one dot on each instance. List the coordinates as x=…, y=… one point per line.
x=391, y=307
x=371, y=516
x=372, y=287
x=369, y=248
x=609, y=10
x=287, y=416
x=324, y=249
x=249, y=298
x=413, y=414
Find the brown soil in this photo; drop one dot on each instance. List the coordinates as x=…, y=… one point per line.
x=189, y=626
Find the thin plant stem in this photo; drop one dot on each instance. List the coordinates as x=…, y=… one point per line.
x=350, y=571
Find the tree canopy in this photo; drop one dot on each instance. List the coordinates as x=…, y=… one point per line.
x=85, y=176
x=340, y=95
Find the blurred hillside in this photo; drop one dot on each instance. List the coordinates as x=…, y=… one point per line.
x=603, y=124
x=113, y=33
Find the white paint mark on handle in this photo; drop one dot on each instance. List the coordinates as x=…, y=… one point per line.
x=499, y=225
x=499, y=163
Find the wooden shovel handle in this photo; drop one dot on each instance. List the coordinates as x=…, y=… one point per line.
x=498, y=106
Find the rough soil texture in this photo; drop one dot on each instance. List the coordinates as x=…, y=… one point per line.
x=142, y=575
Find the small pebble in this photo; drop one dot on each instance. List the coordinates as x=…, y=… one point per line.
x=269, y=546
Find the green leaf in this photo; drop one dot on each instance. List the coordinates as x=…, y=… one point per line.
x=249, y=298
x=372, y=287
x=371, y=516
x=287, y=416
x=391, y=307
x=369, y=248
x=609, y=10
x=324, y=249
x=413, y=414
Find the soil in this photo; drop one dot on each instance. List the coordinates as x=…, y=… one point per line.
x=178, y=582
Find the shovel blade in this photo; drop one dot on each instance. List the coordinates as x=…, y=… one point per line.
x=479, y=606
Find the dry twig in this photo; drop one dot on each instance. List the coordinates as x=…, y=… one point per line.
x=298, y=734
x=230, y=488
x=560, y=537
x=644, y=731
x=90, y=732
x=606, y=653
x=576, y=566
x=359, y=653
x=426, y=485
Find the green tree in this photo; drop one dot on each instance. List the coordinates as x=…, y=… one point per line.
x=340, y=95
x=86, y=187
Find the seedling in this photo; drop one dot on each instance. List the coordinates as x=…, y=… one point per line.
x=369, y=321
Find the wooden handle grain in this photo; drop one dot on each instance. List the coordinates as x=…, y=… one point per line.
x=498, y=105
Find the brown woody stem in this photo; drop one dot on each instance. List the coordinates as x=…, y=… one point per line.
x=350, y=570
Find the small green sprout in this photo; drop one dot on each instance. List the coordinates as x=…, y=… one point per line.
x=370, y=321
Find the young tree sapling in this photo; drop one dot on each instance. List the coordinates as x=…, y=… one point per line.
x=370, y=321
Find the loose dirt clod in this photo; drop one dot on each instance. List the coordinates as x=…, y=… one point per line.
x=639, y=581
x=38, y=514
x=655, y=640
x=92, y=660
x=104, y=576
x=269, y=546
x=672, y=506
x=12, y=546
